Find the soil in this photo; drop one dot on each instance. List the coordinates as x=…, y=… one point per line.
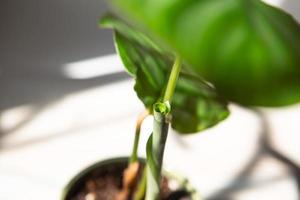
x=106, y=185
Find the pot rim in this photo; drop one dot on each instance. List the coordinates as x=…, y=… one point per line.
x=185, y=183
x=87, y=170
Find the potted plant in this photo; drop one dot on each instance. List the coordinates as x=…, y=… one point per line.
x=189, y=60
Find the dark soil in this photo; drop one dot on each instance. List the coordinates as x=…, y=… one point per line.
x=107, y=183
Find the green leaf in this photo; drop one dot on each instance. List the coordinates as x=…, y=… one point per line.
x=195, y=105
x=249, y=50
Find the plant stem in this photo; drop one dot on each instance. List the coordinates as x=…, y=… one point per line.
x=141, y=118
x=155, y=149
x=160, y=132
x=173, y=79
x=156, y=142
x=141, y=188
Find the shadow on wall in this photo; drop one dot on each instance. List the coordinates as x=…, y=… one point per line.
x=38, y=37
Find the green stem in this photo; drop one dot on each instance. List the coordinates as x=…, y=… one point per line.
x=156, y=142
x=134, y=154
x=141, y=188
x=155, y=149
x=173, y=79
x=160, y=132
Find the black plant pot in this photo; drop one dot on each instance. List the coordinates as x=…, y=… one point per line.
x=113, y=166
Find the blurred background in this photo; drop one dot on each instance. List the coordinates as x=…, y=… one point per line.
x=66, y=102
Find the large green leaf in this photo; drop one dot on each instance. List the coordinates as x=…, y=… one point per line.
x=195, y=105
x=249, y=50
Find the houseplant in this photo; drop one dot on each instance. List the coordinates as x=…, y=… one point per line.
x=190, y=58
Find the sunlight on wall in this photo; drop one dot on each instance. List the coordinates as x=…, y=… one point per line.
x=274, y=2
x=94, y=67
x=95, y=107
x=12, y=118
